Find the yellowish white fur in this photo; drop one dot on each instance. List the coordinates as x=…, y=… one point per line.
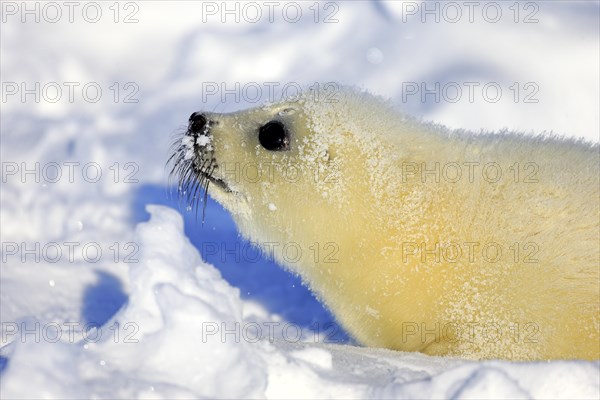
x=376, y=232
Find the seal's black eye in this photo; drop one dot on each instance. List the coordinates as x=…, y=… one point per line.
x=273, y=136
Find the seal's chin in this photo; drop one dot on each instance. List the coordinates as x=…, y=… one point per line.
x=221, y=184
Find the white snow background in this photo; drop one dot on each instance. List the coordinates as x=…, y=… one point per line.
x=159, y=313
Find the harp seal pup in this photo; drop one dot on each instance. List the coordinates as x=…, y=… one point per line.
x=418, y=238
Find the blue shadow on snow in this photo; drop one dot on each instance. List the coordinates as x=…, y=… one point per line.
x=243, y=266
x=103, y=299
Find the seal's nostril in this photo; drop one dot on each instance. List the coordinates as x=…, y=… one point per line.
x=197, y=122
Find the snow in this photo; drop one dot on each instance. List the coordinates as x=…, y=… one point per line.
x=125, y=299
x=203, y=140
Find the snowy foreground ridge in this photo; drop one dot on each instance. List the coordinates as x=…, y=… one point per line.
x=170, y=346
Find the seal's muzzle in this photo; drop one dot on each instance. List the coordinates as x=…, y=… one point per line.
x=194, y=163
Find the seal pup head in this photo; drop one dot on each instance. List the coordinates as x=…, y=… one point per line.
x=254, y=162
x=226, y=155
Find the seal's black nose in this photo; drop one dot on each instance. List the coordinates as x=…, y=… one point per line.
x=197, y=122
